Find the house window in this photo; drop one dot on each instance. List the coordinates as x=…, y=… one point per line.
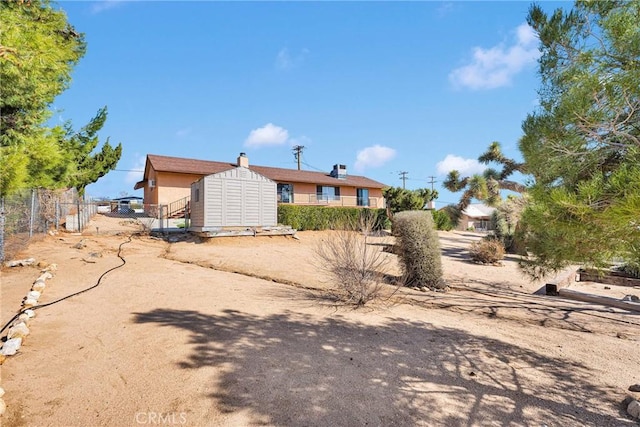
x=197, y=195
x=363, y=196
x=285, y=193
x=326, y=193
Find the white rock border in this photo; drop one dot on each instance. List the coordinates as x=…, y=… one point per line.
x=19, y=329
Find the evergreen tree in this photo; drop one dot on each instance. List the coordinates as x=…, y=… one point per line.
x=582, y=145
x=38, y=50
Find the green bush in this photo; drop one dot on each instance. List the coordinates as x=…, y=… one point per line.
x=327, y=218
x=442, y=220
x=418, y=249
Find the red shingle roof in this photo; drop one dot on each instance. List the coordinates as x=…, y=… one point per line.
x=206, y=167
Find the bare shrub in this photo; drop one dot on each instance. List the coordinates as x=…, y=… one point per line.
x=487, y=251
x=357, y=268
x=145, y=224
x=418, y=249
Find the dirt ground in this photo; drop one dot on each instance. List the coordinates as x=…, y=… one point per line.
x=243, y=332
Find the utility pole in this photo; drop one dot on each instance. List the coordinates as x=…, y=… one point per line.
x=432, y=180
x=297, y=153
x=403, y=177
x=431, y=204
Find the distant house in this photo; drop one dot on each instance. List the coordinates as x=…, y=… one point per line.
x=167, y=180
x=476, y=216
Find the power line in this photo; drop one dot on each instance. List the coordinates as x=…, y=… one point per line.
x=313, y=167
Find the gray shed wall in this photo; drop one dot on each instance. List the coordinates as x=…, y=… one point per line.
x=235, y=198
x=197, y=203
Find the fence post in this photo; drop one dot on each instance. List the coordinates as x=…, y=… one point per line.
x=160, y=218
x=57, y=204
x=186, y=217
x=78, y=209
x=33, y=207
x=1, y=229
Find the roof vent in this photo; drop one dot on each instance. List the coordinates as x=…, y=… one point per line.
x=339, y=171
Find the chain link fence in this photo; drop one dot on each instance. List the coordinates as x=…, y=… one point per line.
x=28, y=213
x=31, y=213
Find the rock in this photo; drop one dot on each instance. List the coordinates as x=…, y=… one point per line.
x=24, y=318
x=29, y=303
x=19, y=330
x=38, y=286
x=423, y=289
x=20, y=262
x=80, y=245
x=634, y=387
x=52, y=267
x=3, y=407
x=633, y=409
x=30, y=313
x=11, y=346
x=632, y=298
x=34, y=295
x=44, y=276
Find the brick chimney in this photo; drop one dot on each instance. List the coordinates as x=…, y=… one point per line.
x=243, y=160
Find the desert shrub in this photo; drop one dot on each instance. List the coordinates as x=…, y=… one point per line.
x=357, y=268
x=505, y=222
x=326, y=218
x=418, y=249
x=487, y=251
x=442, y=220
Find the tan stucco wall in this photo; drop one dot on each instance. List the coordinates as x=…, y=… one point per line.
x=305, y=193
x=171, y=187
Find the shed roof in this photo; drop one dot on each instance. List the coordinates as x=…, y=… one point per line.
x=478, y=210
x=207, y=167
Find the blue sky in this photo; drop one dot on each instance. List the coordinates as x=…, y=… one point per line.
x=383, y=87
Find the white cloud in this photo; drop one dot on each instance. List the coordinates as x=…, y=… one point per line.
x=466, y=167
x=136, y=173
x=103, y=5
x=495, y=67
x=373, y=157
x=267, y=135
x=445, y=8
x=181, y=133
x=286, y=61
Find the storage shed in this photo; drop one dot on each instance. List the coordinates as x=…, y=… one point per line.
x=238, y=197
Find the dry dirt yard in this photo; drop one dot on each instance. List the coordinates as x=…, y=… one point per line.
x=242, y=332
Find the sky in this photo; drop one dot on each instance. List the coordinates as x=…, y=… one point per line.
x=418, y=87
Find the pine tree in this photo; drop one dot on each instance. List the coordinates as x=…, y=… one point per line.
x=582, y=145
x=38, y=50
